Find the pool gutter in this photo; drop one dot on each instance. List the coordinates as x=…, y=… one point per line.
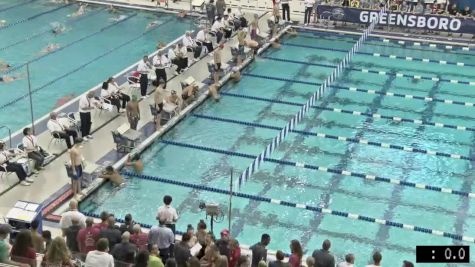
x=389, y=36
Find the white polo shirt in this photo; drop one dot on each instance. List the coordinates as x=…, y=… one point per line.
x=201, y=36
x=55, y=126
x=66, y=218
x=160, y=62
x=143, y=67
x=168, y=214
x=30, y=143
x=4, y=156
x=86, y=104
x=188, y=41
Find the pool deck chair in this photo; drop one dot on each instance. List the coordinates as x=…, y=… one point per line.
x=121, y=143
x=198, y=4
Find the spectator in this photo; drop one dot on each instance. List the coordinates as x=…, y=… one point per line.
x=285, y=9
x=72, y=235
x=139, y=238
x=308, y=11
x=170, y=263
x=66, y=217
x=125, y=251
x=111, y=233
x=220, y=8
x=419, y=9
x=142, y=259
x=349, y=261
x=201, y=232
x=407, y=264
x=86, y=104
x=310, y=261
x=47, y=238
x=295, y=258
x=33, y=150
x=61, y=130
x=211, y=11
x=163, y=237
x=234, y=252
x=279, y=260
x=23, y=251
x=259, y=251
x=182, y=251
x=377, y=257
x=223, y=243
x=322, y=257
x=6, y=165
x=210, y=257
x=5, y=230
x=222, y=261
x=209, y=240
x=36, y=238
x=58, y=254
x=100, y=257
x=133, y=112
x=243, y=261
x=154, y=259
x=167, y=213
x=194, y=262
x=87, y=237
x=190, y=230
x=104, y=218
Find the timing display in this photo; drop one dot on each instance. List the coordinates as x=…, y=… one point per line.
x=442, y=254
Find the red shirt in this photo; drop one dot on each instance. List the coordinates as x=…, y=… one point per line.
x=27, y=257
x=140, y=240
x=100, y=226
x=87, y=238
x=295, y=260
x=234, y=256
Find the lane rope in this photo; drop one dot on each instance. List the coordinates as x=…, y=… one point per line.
x=303, y=165
x=343, y=138
x=33, y=17
x=317, y=209
x=17, y=5
x=81, y=66
x=357, y=113
x=10, y=70
x=425, y=60
x=384, y=73
x=49, y=30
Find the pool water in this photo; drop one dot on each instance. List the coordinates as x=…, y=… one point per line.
x=93, y=48
x=270, y=80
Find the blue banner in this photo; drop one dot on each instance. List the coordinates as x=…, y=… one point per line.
x=399, y=19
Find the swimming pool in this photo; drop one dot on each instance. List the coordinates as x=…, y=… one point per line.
x=378, y=110
x=93, y=48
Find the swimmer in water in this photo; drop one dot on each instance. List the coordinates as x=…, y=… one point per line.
x=50, y=48
x=112, y=9
x=81, y=11
x=113, y=175
x=118, y=18
x=8, y=79
x=4, y=66
x=57, y=28
x=3, y=23
x=135, y=162
x=152, y=24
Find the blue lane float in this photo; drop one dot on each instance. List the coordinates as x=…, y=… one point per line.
x=384, y=73
x=369, y=177
x=317, y=209
x=33, y=17
x=410, y=149
x=81, y=66
x=12, y=69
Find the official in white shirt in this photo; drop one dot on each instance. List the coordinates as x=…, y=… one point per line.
x=6, y=165
x=32, y=149
x=308, y=11
x=228, y=26
x=60, y=130
x=144, y=68
x=217, y=28
x=191, y=45
x=161, y=62
x=110, y=90
x=203, y=40
x=167, y=213
x=86, y=104
x=181, y=57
